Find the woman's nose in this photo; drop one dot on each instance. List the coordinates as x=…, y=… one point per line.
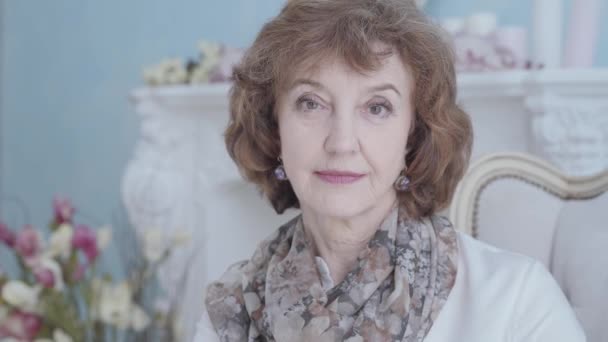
x=342, y=135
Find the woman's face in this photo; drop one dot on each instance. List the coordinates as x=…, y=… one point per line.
x=344, y=135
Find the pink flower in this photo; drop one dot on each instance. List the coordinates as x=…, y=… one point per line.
x=85, y=239
x=48, y=273
x=64, y=211
x=27, y=242
x=45, y=277
x=21, y=325
x=7, y=235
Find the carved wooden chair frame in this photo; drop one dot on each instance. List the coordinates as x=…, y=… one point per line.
x=465, y=205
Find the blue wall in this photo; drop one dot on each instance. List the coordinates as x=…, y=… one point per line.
x=68, y=65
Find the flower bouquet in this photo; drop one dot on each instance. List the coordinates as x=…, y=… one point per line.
x=57, y=295
x=213, y=65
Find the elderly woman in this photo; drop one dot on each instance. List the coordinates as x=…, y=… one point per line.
x=346, y=109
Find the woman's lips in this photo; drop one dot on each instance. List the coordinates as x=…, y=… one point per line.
x=339, y=177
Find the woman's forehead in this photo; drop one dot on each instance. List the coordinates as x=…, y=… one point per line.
x=321, y=71
x=349, y=55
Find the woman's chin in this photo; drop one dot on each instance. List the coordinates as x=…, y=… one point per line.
x=340, y=207
x=343, y=203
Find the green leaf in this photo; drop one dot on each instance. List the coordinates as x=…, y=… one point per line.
x=59, y=312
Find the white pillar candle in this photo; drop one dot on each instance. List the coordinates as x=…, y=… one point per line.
x=547, y=32
x=481, y=24
x=582, y=33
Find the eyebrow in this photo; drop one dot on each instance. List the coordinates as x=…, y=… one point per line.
x=315, y=84
x=305, y=81
x=386, y=86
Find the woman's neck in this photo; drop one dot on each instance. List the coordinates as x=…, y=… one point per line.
x=339, y=241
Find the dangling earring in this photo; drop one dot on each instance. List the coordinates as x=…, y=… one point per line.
x=279, y=171
x=403, y=182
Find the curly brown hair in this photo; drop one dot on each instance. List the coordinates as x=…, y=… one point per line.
x=305, y=33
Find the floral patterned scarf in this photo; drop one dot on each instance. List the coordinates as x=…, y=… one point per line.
x=401, y=282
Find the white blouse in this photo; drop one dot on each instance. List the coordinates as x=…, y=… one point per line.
x=498, y=296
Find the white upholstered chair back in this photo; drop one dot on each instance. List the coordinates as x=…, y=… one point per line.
x=520, y=203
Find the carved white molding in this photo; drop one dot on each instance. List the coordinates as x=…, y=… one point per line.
x=568, y=112
x=571, y=132
x=179, y=156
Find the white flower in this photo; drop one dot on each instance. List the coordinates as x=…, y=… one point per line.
x=104, y=236
x=139, y=318
x=173, y=71
x=154, y=244
x=60, y=242
x=20, y=295
x=153, y=75
x=169, y=71
x=199, y=75
x=208, y=49
x=60, y=336
x=115, y=305
x=211, y=56
x=181, y=237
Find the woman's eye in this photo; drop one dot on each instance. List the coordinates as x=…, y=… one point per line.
x=380, y=109
x=376, y=109
x=311, y=105
x=307, y=104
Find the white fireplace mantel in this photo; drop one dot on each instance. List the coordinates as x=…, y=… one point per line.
x=180, y=176
x=567, y=82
